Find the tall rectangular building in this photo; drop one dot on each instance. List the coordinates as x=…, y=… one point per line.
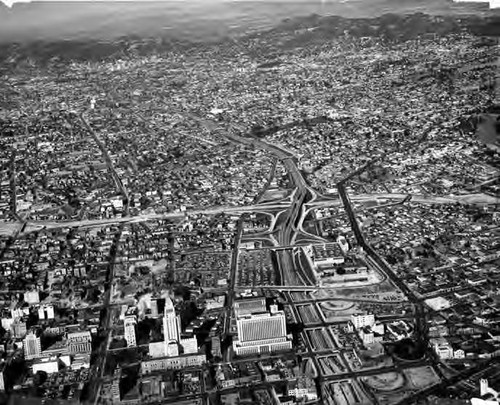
x=216, y=348
x=45, y=312
x=154, y=308
x=129, y=324
x=171, y=323
x=261, y=333
x=261, y=327
x=115, y=386
x=32, y=346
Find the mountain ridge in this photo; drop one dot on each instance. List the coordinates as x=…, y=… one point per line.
x=390, y=27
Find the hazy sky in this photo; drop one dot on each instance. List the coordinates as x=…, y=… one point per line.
x=114, y=18
x=188, y=19
x=9, y=3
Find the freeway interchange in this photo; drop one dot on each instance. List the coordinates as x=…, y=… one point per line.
x=285, y=236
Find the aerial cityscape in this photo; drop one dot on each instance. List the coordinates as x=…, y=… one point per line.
x=302, y=213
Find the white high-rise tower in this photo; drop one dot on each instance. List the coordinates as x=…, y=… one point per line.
x=171, y=323
x=32, y=346
x=171, y=329
x=129, y=324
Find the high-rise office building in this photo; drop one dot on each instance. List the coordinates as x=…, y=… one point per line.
x=45, y=312
x=32, y=346
x=216, y=348
x=115, y=386
x=171, y=323
x=154, y=308
x=129, y=325
x=261, y=327
x=261, y=333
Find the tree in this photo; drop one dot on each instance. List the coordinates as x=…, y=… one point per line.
x=39, y=378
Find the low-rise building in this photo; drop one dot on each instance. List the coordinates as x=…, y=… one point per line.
x=172, y=363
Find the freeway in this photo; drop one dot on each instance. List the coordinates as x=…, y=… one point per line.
x=288, y=233
x=293, y=212
x=299, y=288
x=304, y=196
x=425, y=199
x=398, y=368
x=267, y=240
x=342, y=299
x=33, y=226
x=287, y=229
x=415, y=198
